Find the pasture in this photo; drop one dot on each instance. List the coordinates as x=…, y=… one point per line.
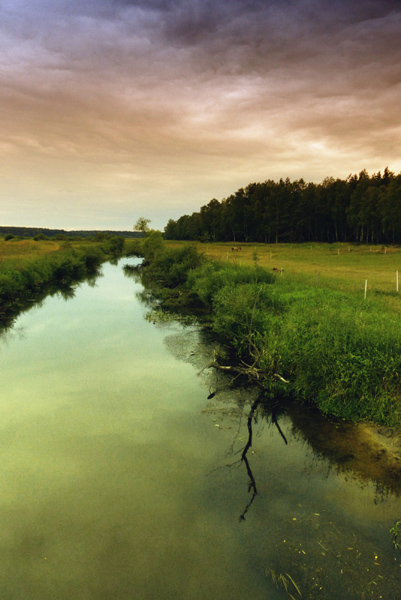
x=340, y=267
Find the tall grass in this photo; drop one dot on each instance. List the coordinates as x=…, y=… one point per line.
x=24, y=279
x=336, y=350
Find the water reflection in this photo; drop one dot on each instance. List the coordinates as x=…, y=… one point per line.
x=318, y=514
x=121, y=479
x=329, y=534
x=64, y=289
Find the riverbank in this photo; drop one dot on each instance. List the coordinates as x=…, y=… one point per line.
x=30, y=269
x=303, y=343
x=338, y=267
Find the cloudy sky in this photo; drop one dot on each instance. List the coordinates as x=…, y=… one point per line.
x=115, y=109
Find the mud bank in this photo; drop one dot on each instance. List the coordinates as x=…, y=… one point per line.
x=372, y=452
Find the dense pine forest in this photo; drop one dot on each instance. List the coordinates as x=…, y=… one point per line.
x=362, y=208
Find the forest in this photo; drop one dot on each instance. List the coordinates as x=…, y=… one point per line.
x=362, y=209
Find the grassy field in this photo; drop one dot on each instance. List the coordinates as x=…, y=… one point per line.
x=14, y=254
x=24, y=250
x=334, y=266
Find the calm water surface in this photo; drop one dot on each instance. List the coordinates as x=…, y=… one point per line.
x=121, y=480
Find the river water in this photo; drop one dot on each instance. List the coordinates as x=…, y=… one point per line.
x=121, y=479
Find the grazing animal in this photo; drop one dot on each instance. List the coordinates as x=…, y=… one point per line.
x=235, y=248
x=275, y=269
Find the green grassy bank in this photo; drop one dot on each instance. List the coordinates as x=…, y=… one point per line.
x=334, y=348
x=30, y=269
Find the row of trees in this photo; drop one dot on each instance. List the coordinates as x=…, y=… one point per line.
x=361, y=208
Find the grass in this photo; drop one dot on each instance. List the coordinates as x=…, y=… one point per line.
x=25, y=250
x=313, y=327
x=339, y=267
x=29, y=269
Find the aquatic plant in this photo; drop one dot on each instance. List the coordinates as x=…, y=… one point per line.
x=396, y=531
x=285, y=581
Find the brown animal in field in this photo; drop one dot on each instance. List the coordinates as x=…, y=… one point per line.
x=236, y=248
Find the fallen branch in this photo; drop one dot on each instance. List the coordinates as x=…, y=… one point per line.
x=253, y=373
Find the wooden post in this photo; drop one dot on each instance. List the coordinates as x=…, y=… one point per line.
x=366, y=287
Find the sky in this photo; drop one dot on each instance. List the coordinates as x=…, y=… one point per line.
x=116, y=109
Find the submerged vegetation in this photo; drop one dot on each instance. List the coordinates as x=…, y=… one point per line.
x=296, y=340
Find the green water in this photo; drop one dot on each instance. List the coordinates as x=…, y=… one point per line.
x=121, y=480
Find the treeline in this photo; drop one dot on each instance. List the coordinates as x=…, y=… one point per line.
x=361, y=208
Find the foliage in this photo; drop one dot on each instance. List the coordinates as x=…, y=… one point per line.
x=362, y=208
x=396, y=531
x=114, y=246
x=212, y=276
x=142, y=225
x=172, y=266
x=333, y=348
x=152, y=245
x=25, y=279
x=133, y=248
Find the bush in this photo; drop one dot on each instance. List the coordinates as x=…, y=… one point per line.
x=114, y=246
x=172, y=266
x=212, y=276
x=151, y=245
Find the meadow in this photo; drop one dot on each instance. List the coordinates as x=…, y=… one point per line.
x=340, y=267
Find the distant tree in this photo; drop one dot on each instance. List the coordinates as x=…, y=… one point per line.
x=142, y=225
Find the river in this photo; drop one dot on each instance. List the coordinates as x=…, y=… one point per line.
x=122, y=480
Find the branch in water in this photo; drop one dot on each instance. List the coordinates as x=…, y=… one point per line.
x=253, y=373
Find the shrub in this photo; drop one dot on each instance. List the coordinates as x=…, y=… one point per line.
x=114, y=246
x=172, y=266
x=212, y=276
